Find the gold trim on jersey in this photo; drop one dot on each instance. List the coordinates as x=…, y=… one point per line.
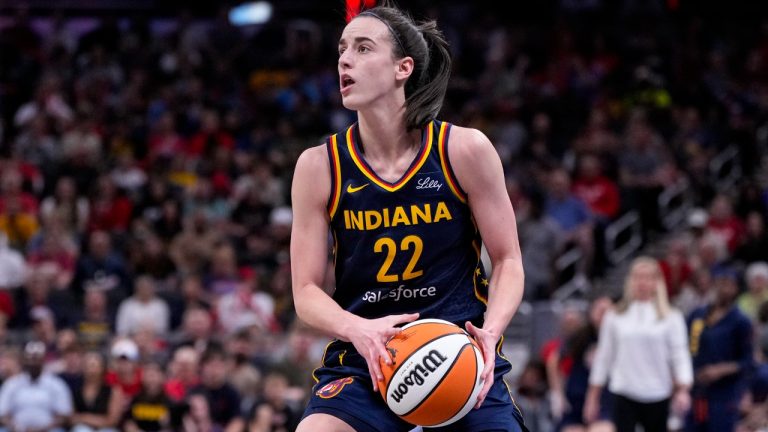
x=368, y=172
x=453, y=183
x=322, y=361
x=336, y=168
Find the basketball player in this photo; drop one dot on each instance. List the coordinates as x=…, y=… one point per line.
x=407, y=199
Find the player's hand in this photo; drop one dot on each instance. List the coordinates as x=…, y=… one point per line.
x=487, y=342
x=369, y=337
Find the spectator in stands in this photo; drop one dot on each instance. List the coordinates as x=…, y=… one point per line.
x=10, y=363
x=540, y=238
x=150, y=410
x=223, y=400
x=531, y=397
x=151, y=258
x=194, y=245
x=36, y=144
x=111, y=210
x=18, y=226
x=97, y=406
x=724, y=224
x=275, y=412
x=755, y=245
x=677, y=270
x=753, y=405
x=572, y=216
x=125, y=372
x=569, y=390
x=644, y=168
x=13, y=268
x=247, y=306
x=223, y=276
x=196, y=330
x=721, y=346
x=697, y=292
x=101, y=267
x=72, y=210
x=600, y=193
x=756, y=278
x=127, y=175
x=642, y=353
x=54, y=250
x=145, y=309
x=12, y=190
x=34, y=400
x=198, y=416
x=94, y=324
x=183, y=373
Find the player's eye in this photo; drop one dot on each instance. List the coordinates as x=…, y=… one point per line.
x=363, y=49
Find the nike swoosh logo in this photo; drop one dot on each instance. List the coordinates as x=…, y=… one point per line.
x=351, y=189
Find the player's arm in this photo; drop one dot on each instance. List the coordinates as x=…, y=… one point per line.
x=479, y=172
x=309, y=258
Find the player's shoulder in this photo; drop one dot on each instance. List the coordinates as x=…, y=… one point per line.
x=313, y=158
x=468, y=138
x=469, y=148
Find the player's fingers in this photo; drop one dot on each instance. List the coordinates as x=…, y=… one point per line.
x=388, y=333
x=471, y=328
x=404, y=318
x=484, y=392
x=384, y=354
x=373, y=365
x=377, y=370
x=487, y=372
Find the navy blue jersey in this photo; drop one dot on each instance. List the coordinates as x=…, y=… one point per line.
x=727, y=340
x=408, y=246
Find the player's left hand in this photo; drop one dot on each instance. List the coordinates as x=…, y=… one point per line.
x=487, y=342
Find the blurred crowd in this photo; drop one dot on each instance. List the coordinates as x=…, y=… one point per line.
x=145, y=172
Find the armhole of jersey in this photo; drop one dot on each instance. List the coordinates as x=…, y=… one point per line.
x=335, y=195
x=445, y=163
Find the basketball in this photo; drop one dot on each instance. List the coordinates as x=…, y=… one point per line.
x=434, y=378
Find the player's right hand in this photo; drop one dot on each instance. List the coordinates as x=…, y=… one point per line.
x=369, y=337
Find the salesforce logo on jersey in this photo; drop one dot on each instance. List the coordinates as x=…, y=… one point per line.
x=401, y=292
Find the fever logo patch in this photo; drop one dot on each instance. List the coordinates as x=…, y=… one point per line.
x=333, y=388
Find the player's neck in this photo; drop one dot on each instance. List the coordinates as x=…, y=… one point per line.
x=384, y=136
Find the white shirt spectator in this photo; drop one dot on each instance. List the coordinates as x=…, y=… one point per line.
x=33, y=404
x=13, y=268
x=643, y=356
x=133, y=315
x=237, y=310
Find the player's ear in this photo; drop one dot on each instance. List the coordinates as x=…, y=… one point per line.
x=404, y=68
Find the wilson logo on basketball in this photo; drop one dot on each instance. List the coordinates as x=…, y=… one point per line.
x=429, y=363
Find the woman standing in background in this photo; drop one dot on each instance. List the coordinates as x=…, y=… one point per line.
x=643, y=351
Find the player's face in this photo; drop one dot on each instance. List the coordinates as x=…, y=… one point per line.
x=367, y=69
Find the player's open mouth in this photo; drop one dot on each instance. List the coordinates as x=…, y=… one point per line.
x=346, y=83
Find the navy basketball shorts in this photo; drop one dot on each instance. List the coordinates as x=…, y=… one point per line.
x=344, y=390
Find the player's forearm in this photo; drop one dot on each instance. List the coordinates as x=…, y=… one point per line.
x=504, y=295
x=318, y=310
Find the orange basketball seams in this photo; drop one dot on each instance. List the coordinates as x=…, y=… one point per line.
x=434, y=377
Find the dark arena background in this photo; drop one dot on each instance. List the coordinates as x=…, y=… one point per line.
x=147, y=149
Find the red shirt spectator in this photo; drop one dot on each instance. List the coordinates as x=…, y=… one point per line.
x=723, y=223
x=209, y=137
x=109, y=212
x=600, y=193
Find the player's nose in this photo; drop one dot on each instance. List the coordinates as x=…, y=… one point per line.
x=345, y=60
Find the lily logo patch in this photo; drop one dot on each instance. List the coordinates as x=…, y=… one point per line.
x=333, y=388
